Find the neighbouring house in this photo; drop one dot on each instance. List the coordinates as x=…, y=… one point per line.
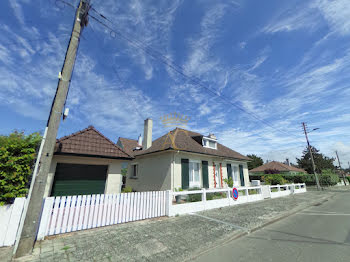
x=274, y=165
x=86, y=162
x=182, y=159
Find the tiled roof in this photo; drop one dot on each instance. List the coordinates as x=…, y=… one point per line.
x=128, y=145
x=277, y=166
x=188, y=141
x=89, y=142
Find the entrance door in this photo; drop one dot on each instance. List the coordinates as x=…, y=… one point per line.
x=217, y=175
x=74, y=179
x=235, y=175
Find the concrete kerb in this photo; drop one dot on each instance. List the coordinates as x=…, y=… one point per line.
x=236, y=235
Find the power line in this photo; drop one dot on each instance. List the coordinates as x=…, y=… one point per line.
x=180, y=70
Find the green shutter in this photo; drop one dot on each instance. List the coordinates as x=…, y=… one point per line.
x=229, y=171
x=241, y=175
x=205, y=174
x=185, y=173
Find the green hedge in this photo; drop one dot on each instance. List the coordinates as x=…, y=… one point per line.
x=327, y=178
x=17, y=155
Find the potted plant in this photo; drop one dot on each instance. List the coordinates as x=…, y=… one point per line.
x=178, y=197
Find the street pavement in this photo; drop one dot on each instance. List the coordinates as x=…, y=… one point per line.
x=178, y=238
x=318, y=233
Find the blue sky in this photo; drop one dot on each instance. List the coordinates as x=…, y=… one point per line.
x=282, y=62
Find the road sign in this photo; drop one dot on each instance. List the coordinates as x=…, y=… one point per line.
x=235, y=193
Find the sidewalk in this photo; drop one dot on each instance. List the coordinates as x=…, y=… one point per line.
x=169, y=239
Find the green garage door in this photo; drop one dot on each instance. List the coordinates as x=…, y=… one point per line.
x=73, y=179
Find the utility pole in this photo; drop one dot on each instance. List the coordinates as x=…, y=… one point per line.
x=36, y=196
x=336, y=152
x=312, y=158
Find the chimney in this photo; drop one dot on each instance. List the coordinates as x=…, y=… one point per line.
x=139, y=140
x=287, y=162
x=147, y=134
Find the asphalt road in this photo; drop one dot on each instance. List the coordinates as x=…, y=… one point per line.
x=319, y=233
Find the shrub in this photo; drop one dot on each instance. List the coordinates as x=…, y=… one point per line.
x=274, y=179
x=194, y=197
x=271, y=171
x=229, y=182
x=348, y=178
x=216, y=195
x=127, y=189
x=17, y=156
x=328, y=178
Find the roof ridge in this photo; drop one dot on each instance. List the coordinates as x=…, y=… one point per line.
x=115, y=145
x=75, y=133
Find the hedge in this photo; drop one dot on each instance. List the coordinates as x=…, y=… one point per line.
x=17, y=155
x=327, y=178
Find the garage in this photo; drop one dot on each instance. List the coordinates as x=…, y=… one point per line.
x=78, y=179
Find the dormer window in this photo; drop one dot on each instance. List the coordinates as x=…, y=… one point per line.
x=210, y=141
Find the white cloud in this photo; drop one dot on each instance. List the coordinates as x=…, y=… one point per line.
x=17, y=10
x=311, y=15
x=336, y=13
x=242, y=45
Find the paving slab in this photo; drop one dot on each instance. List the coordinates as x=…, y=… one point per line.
x=169, y=239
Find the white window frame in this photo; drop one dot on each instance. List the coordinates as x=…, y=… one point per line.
x=206, y=142
x=191, y=174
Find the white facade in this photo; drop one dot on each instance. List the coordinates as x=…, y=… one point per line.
x=162, y=170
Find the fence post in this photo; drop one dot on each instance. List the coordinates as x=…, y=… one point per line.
x=45, y=217
x=168, y=203
x=228, y=196
x=247, y=194
x=204, y=198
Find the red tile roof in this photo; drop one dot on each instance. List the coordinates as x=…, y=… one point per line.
x=188, y=141
x=89, y=142
x=128, y=145
x=277, y=166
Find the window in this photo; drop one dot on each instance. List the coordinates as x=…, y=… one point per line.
x=210, y=143
x=134, y=170
x=194, y=174
x=235, y=175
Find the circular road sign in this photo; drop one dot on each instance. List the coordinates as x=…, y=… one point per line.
x=235, y=193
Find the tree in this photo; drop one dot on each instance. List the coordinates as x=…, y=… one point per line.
x=321, y=161
x=17, y=156
x=256, y=161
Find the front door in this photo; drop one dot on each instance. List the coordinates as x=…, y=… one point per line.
x=217, y=175
x=235, y=175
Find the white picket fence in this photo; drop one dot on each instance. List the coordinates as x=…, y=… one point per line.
x=10, y=216
x=285, y=190
x=245, y=195
x=73, y=213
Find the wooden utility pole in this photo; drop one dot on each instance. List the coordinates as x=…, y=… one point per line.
x=342, y=171
x=312, y=158
x=35, y=198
